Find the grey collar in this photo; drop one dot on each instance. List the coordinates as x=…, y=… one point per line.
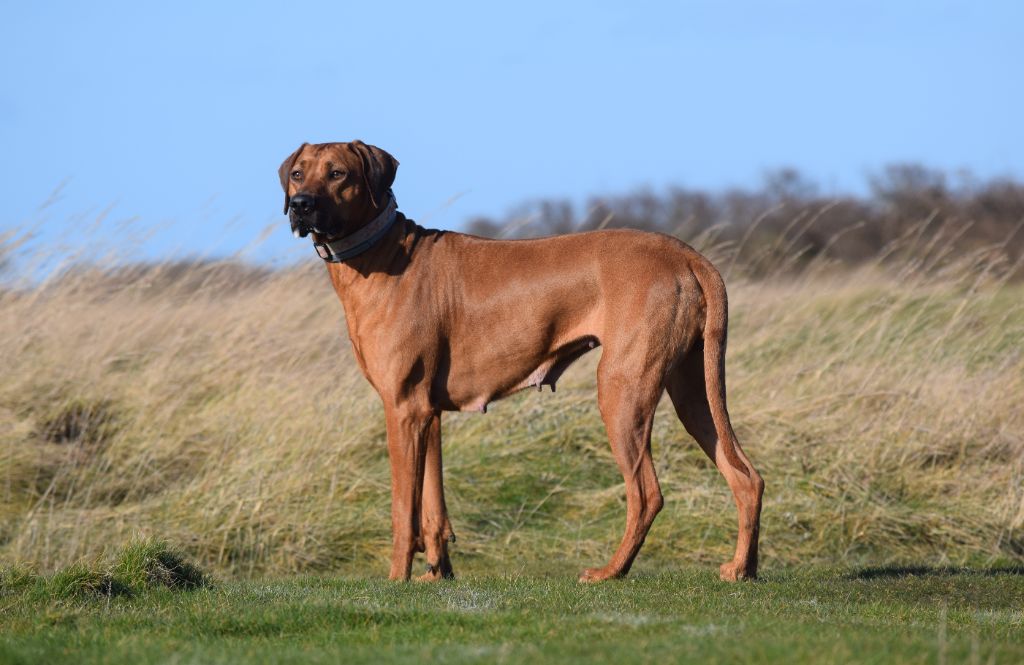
x=337, y=250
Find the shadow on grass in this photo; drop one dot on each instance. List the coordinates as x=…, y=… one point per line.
x=882, y=572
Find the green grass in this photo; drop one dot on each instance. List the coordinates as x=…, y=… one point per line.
x=881, y=615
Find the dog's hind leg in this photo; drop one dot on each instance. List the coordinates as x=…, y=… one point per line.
x=627, y=403
x=687, y=387
x=435, y=529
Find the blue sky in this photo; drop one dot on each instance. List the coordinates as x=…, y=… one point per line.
x=178, y=114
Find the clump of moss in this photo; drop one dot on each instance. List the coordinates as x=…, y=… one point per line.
x=152, y=563
x=137, y=567
x=81, y=580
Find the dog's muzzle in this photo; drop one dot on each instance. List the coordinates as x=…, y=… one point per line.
x=301, y=214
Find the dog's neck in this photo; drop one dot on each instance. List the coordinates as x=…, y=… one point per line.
x=369, y=284
x=367, y=279
x=337, y=250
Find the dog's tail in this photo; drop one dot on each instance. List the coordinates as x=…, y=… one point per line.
x=716, y=325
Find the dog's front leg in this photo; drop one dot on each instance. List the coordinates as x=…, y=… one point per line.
x=408, y=431
x=435, y=528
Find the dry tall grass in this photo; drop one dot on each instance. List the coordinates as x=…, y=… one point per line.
x=220, y=408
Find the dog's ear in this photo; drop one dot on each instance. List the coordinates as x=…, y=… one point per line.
x=379, y=170
x=285, y=173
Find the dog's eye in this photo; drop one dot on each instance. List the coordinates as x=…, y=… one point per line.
x=296, y=175
x=337, y=175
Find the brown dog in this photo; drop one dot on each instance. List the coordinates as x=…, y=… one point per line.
x=443, y=321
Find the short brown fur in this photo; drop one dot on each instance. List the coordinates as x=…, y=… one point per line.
x=442, y=321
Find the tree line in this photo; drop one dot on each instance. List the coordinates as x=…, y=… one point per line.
x=787, y=222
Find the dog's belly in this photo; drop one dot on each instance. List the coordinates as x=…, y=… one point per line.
x=466, y=390
x=518, y=313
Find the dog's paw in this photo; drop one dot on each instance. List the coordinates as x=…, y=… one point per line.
x=733, y=572
x=595, y=575
x=429, y=576
x=436, y=573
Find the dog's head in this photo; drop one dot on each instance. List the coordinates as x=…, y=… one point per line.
x=333, y=189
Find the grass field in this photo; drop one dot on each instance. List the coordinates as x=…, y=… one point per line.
x=873, y=615
x=221, y=410
x=218, y=407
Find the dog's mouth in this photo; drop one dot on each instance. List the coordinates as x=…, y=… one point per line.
x=320, y=225
x=305, y=225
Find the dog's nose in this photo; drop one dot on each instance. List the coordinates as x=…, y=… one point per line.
x=303, y=203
